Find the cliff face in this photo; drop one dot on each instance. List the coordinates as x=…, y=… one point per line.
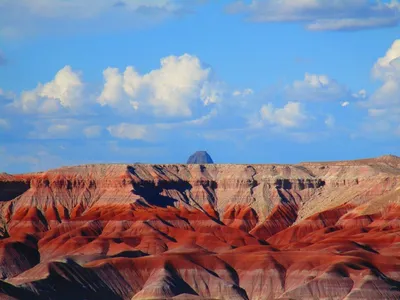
x=306, y=231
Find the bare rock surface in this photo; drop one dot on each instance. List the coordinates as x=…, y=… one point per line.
x=200, y=157
x=328, y=230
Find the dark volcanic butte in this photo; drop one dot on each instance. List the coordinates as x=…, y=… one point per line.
x=306, y=231
x=200, y=157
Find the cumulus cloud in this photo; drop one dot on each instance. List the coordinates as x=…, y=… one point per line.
x=112, y=91
x=388, y=66
x=384, y=104
x=211, y=92
x=167, y=91
x=387, y=70
x=345, y=103
x=66, y=88
x=64, y=91
x=291, y=115
x=323, y=14
x=316, y=88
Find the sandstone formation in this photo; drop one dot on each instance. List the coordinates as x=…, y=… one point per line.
x=307, y=231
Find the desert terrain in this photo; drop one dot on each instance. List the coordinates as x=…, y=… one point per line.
x=326, y=230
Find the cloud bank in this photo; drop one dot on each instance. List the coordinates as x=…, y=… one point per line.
x=320, y=15
x=25, y=17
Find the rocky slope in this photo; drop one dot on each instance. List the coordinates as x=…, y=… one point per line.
x=306, y=231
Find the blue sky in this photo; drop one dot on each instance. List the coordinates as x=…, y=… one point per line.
x=153, y=81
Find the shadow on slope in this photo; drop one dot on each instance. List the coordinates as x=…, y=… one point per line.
x=71, y=281
x=12, y=189
x=152, y=192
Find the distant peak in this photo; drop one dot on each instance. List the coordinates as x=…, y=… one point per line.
x=200, y=157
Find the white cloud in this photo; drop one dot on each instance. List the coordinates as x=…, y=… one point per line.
x=112, y=91
x=202, y=120
x=211, y=93
x=130, y=131
x=64, y=91
x=243, y=93
x=167, y=91
x=384, y=104
x=345, y=103
x=323, y=14
x=362, y=94
x=387, y=69
x=388, y=66
x=291, y=115
x=66, y=87
x=316, y=88
x=386, y=95
x=92, y=131
x=353, y=24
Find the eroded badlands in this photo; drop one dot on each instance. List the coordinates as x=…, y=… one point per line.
x=306, y=231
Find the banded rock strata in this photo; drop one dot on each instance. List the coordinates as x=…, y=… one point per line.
x=306, y=231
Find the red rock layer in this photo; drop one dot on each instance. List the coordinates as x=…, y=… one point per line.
x=309, y=231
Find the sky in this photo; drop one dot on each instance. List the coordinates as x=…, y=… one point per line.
x=152, y=81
